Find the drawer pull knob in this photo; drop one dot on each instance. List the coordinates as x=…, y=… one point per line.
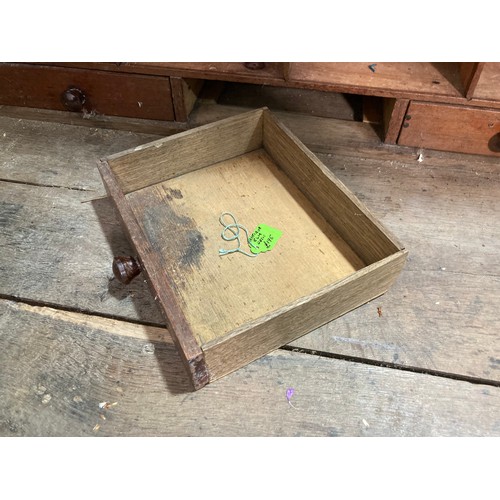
x=255, y=65
x=494, y=143
x=73, y=99
x=126, y=269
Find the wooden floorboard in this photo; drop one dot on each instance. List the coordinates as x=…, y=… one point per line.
x=442, y=313
x=57, y=249
x=68, y=363
x=56, y=154
x=58, y=236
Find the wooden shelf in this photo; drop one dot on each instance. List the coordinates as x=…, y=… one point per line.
x=408, y=80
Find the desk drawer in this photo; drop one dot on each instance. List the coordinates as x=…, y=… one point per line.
x=452, y=128
x=79, y=90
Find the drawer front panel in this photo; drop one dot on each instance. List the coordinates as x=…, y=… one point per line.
x=451, y=128
x=66, y=89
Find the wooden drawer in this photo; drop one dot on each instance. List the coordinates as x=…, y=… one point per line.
x=79, y=90
x=226, y=309
x=452, y=128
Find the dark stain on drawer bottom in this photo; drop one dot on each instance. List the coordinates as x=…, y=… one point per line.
x=175, y=237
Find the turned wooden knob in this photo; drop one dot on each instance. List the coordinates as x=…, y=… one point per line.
x=73, y=99
x=126, y=269
x=255, y=65
x=494, y=143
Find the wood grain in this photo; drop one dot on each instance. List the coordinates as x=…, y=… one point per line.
x=180, y=218
x=58, y=250
x=57, y=367
x=59, y=155
x=347, y=215
x=452, y=128
x=107, y=93
x=445, y=300
x=160, y=160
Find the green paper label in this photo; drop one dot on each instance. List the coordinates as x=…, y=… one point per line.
x=264, y=238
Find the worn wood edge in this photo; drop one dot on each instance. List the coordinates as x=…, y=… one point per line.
x=160, y=283
x=160, y=160
x=471, y=82
x=394, y=113
x=298, y=149
x=300, y=317
x=121, y=328
x=165, y=141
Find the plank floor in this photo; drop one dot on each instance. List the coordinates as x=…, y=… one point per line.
x=72, y=338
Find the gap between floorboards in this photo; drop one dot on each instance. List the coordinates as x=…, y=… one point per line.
x=395, y=366
x=288, y=348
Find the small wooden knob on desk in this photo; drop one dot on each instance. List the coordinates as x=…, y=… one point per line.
x=126, y=269
x=73, y=99
x=494, y=143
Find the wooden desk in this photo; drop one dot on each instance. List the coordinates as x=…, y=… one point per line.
x=448, y=106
